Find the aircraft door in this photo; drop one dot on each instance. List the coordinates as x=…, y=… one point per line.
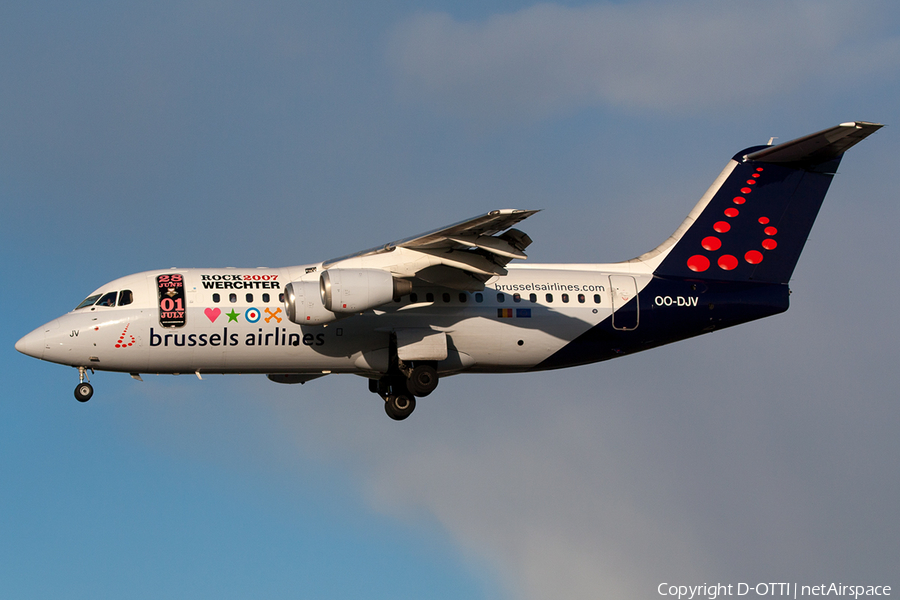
x=626, y=313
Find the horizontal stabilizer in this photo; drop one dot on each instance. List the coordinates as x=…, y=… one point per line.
x=816, y=148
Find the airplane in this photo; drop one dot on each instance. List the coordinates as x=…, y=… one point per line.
x=449, y=301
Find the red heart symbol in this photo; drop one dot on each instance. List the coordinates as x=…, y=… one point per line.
x=212, y=313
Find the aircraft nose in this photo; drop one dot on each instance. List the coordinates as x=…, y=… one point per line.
x=34, y=344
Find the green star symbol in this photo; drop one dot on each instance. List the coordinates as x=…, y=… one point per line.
x=232, y=316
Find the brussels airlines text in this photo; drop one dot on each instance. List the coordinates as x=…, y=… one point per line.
x=277, y=336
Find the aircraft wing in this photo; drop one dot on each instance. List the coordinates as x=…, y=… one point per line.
x=461, y=256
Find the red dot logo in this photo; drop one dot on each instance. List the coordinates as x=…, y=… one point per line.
x=698, y=263
x=727, y=262
x=121, y=341
x=759, y=169
x=754, y=257
x=711, y=243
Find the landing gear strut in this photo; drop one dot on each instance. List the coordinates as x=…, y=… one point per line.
x=84, y=390
x=403, y=382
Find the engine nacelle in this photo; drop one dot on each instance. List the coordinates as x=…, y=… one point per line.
x=339, y=293
x=303, y=303
x=357, y=290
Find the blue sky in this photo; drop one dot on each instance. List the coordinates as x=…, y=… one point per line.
x=140, y=136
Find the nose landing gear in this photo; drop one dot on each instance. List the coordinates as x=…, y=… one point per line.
x=84, y=390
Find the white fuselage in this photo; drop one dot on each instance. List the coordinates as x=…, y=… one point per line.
x=234, y=321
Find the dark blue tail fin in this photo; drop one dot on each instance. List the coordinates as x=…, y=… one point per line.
x=753, y=222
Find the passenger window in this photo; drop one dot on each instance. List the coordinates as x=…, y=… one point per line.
x=249, y=298
x=125, y=298
x=266, y=298
x=549, y=297
x=581, y=298
x=596, y=298
x=232, y=298
x=216, y=298
x=501, y=298
x=89, y=301
x=413, y=298
x=479, y=297
x=429, y=297
x=565, y=297
x=463, y=297
x=445, y=297
x=517, y=297
x=532, y=297
x=108, y=299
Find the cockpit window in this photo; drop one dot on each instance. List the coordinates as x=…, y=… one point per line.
x=89, y=301
x=108, y=299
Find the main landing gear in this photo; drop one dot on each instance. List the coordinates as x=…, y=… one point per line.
x=84, y=390
x=422, y=380
x=399, y=406
x=399, y=390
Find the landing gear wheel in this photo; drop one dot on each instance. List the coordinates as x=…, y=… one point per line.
x=399, y=407
x=83, y=392
x=388, y=410
x=422, y=380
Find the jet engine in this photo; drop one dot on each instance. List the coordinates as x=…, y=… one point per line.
x=303, y=303
x=356, y=290
x=341, y=292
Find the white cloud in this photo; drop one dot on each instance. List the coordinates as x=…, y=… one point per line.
x=548, y=504
x=685, y=56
